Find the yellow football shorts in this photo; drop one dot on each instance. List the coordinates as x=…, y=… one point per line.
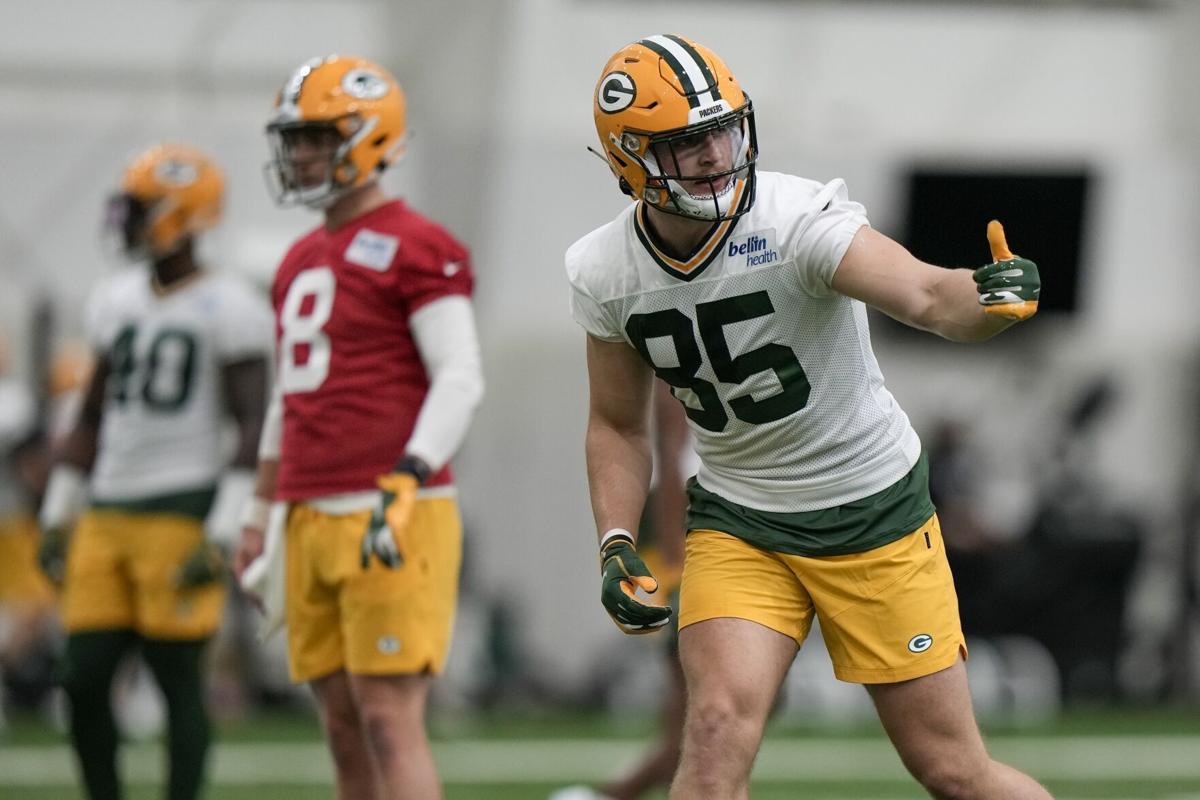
x=887, y=615
x=22, y=584
x=121, y=571
x=377, y=621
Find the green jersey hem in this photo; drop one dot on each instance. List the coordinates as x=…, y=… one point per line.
x=195, y=503
x=854, y=527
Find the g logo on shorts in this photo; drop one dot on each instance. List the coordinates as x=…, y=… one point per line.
x=920, y=643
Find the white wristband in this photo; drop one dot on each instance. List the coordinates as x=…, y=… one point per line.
x=235, y=488
x=614, y=534
x=66, y=495
x=255, y=513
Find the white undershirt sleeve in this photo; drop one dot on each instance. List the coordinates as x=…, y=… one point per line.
x=444, y=331
x=271, y=439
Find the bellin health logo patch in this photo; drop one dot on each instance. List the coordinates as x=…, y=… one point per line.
x=756, y=248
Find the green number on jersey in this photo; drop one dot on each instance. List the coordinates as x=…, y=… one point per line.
x=712, y=318
x=166, y=375
x=672, y=322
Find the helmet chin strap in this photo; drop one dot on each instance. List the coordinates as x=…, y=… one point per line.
x=319, y=198
x=710, y=207
x=328, y=199
x=323, y=200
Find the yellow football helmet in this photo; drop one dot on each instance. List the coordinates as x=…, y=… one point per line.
x=661, y=98
x=168, y=194
x=345, y=113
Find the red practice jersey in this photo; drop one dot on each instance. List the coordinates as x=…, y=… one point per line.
x=351, y=375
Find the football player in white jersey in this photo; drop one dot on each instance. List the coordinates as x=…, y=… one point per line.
x=140, y=488
x=746, y=292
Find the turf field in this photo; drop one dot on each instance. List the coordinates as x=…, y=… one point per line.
x=1123, y=755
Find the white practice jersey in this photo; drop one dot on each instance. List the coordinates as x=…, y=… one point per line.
x=164, y=402
x=775, y=369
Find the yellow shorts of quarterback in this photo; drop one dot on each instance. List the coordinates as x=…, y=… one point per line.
x=887, y=615
x=22, y=583
x=376, y=621
x=121, y=572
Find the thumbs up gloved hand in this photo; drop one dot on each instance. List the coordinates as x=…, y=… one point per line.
x=1010, y=285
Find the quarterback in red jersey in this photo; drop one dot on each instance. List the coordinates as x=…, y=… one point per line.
x=379, y=374
x=349, y=409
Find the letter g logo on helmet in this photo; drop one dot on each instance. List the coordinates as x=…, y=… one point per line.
x=616, y=92
x=176, y=172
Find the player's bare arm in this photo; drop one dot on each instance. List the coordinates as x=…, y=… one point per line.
x=66, y=492
x=254, y=520
x=883, y=274
x=244, y=390
x=79, y=447
x=246, y=398
x=618, y=433
x=254, y=516
x=619, y=465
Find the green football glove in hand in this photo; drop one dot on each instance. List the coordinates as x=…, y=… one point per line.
x=622, y=573
x=385, y=532
x=204, y=565
x=1010, y=285
x=52, y=554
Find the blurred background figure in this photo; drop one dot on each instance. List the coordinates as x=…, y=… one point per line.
x=379, y=376
x=26, y=597
x=660, y=543
x=68, y=376
x=139, y=497
x=1061, y=575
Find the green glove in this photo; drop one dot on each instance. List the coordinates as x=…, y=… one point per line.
x=52, y=554
x=622, y=572
x=1010, y=285
x=387, y=529
x=204, y=565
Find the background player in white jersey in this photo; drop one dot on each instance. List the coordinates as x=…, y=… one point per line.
x=747, y=293
x=177, y=349
x=379, y=375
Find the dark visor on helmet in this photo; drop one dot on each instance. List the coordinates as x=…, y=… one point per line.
x=125, y=217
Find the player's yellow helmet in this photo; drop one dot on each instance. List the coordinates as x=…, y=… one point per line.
x=661, y=96
x=352, y=106
x=168, y=194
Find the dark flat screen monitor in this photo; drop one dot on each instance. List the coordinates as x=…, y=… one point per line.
x=1043, y=212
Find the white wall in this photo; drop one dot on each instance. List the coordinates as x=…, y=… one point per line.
x=500, y=97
